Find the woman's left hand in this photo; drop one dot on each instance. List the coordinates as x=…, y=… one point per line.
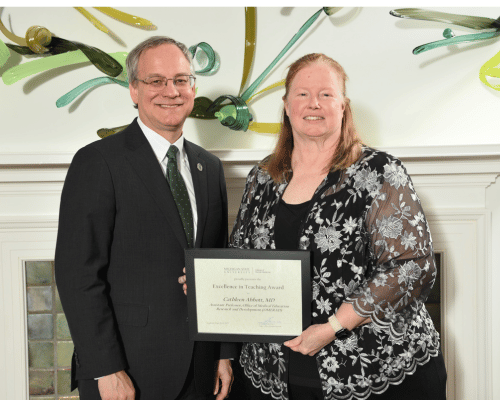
x=182, y=281
x=312, y=340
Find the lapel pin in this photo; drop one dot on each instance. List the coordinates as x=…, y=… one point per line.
x=200, y=167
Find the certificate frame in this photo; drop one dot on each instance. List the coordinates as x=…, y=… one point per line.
x=210, y=262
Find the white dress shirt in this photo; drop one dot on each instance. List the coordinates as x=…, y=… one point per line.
x=160, y=147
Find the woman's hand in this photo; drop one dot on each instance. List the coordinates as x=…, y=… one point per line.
x=182, y=281
x=312, y=340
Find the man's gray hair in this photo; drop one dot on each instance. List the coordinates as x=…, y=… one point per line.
x=133, y=57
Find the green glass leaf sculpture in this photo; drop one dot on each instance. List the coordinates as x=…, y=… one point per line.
x=73, y=94
x=4, y=53
x=26, y=69
x=101, y=60
x=455, y=40
x=448, y=33
x=478, y=23
x=491, y=68
x=23, y=50
x=251, y=89
x=235, y=116
x=332, y=10
x=105, y=132
x=201, y=105
x=209, y=53
x=41, y=41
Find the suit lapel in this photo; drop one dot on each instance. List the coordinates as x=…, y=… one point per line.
x=145, y=164
x=199, y=173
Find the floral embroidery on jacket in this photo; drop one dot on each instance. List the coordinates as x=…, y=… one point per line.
x=372, y=248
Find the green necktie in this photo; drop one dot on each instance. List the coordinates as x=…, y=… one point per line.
x=180, y=193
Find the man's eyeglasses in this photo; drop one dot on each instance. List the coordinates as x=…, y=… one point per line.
x=180, y=82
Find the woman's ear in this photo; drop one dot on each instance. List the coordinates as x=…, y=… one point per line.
x=285, y=105
x=345, y=103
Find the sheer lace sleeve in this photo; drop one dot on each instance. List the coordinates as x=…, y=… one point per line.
x=402, y=269
x=237, y=237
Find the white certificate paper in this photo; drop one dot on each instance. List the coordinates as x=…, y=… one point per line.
x=237, y=298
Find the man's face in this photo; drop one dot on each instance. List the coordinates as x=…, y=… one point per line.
x=166, y=109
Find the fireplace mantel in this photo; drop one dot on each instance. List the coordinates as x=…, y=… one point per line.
x=460, y=191
x=253, y=155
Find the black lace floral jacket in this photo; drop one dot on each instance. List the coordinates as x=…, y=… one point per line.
x=372, y=248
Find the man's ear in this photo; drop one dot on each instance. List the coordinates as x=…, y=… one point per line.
x=134, y=92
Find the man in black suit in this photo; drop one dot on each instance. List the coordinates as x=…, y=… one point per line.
x=123, y=229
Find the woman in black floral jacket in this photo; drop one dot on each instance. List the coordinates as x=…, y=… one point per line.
x=356, y=209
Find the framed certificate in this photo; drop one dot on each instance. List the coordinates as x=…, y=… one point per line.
x=239, y=295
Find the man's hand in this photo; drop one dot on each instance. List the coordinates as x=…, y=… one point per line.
x=312, y=340
x=117, y=386
x=225, y=375
x=182, y=281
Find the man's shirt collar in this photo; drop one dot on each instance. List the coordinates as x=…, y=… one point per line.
x=161, y=145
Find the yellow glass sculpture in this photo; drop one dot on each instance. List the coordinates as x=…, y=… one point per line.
x=133, y=20
x=491, y=69
x=93, y=20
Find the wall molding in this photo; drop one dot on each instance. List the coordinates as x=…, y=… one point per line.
x=412, y=153
x=26, y=174
x=464, y=237
x=28, y=222
x=16, y=246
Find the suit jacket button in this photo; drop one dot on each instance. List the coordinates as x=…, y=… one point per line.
x=187, y=319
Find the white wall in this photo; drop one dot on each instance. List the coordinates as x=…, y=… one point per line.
x=399, y=99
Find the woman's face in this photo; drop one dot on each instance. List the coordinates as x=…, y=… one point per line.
x=315, y=104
